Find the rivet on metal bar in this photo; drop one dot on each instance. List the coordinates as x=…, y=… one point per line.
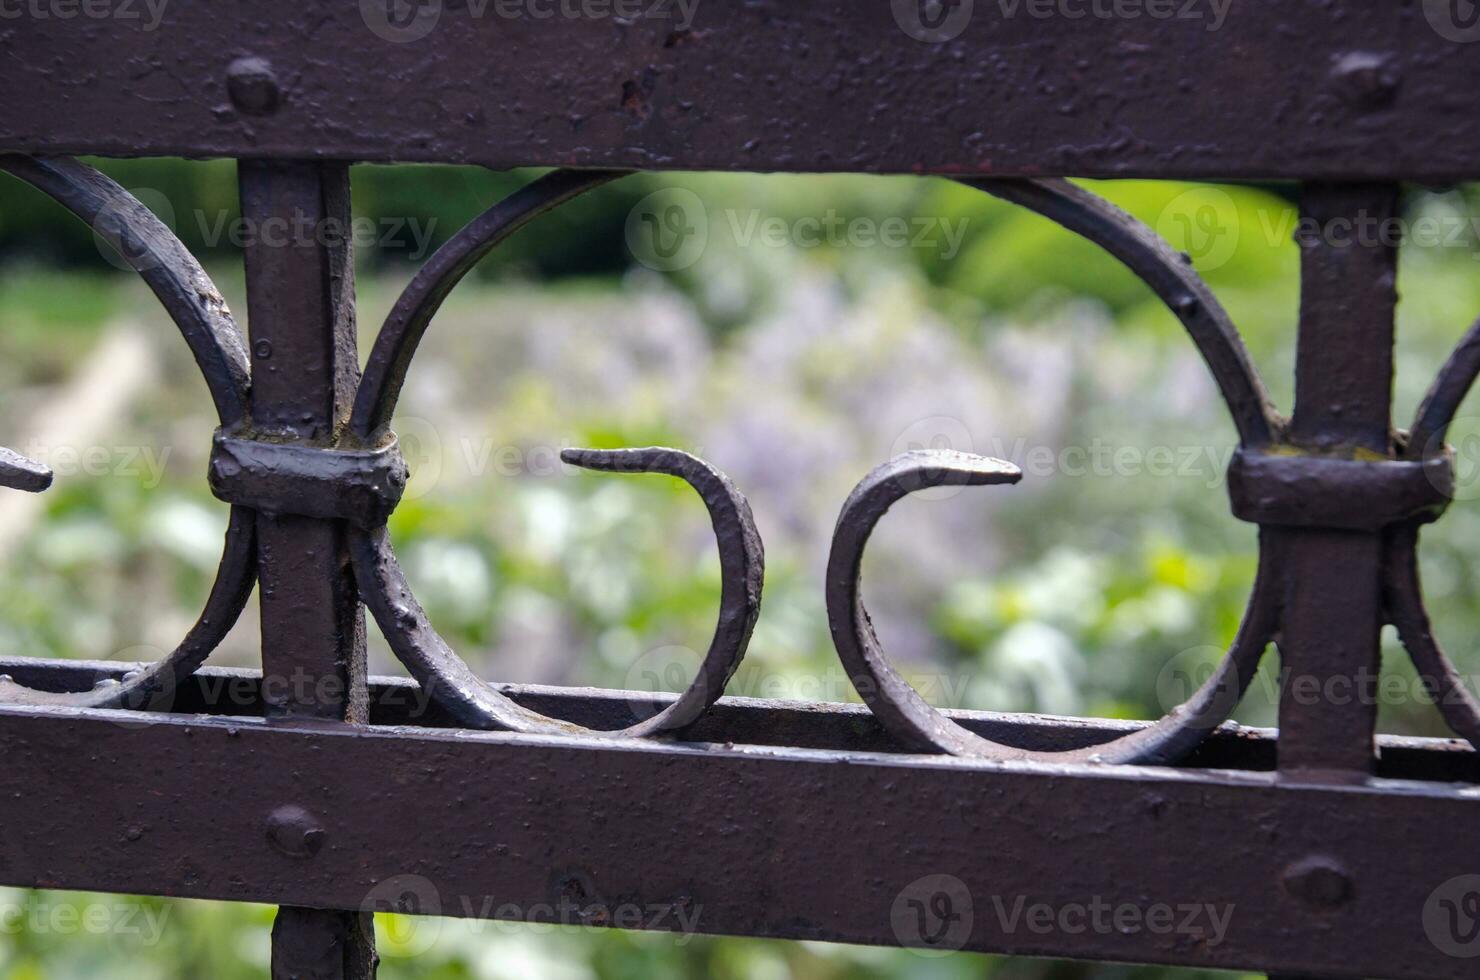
x=1292, y=489
x=361, y=486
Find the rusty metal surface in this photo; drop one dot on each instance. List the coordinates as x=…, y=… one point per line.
x=18, y=472
x=1330, y=629
x=306, y=456
x=1323, y=842
x=390, y=358
x=1171, y=277
x=400, y=701
x=449, y=680
x=361, y=486
x=197, y=309
x=1290, y=490
x=1342, y=89
x=300, y=303
x=781, y=842
x=916, y=722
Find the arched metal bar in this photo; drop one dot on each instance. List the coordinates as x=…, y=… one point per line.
x=196, y=307
x=1402, y=583
x=478, y=704
x=1171, y=276
x=1439, y=405
x=1403, y=597
x=901, y=709
x=161, y=260
x=390, y=358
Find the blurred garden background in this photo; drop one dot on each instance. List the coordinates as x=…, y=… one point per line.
x=801, y=343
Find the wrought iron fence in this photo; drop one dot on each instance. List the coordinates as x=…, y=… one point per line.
x=1324, y=851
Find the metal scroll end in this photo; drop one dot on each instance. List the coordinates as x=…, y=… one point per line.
x=923, y=468
x=20, y=473
x=647, y=460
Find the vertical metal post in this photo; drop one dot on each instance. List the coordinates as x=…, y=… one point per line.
x=1343, y=393
x=300, y=298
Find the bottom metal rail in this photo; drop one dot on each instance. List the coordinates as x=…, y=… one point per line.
x=1221, y=864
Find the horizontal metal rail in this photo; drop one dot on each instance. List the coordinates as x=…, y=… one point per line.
x=1257, y=89
x=821, y=844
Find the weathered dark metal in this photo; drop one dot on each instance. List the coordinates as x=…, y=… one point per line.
x=1257, y=89
x=197, y=309
x=475, y=703
x=395, y=345
x=18, y=472
x=831, y=727
x=916, y=722
x=300, y=297
x=784, y=842
x=151, y=249
x=361, y=486
x=1324, y=844
x=1329, y=630
x=1171, y=277
x=1287, y=489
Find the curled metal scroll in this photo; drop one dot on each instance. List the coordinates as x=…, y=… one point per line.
x=1402, y=587
x=196, y=307
x=383, y=585
x=390, y=358
x=1170, y=275
x=1442, y=401
x=902, y=710
x=477, y=704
